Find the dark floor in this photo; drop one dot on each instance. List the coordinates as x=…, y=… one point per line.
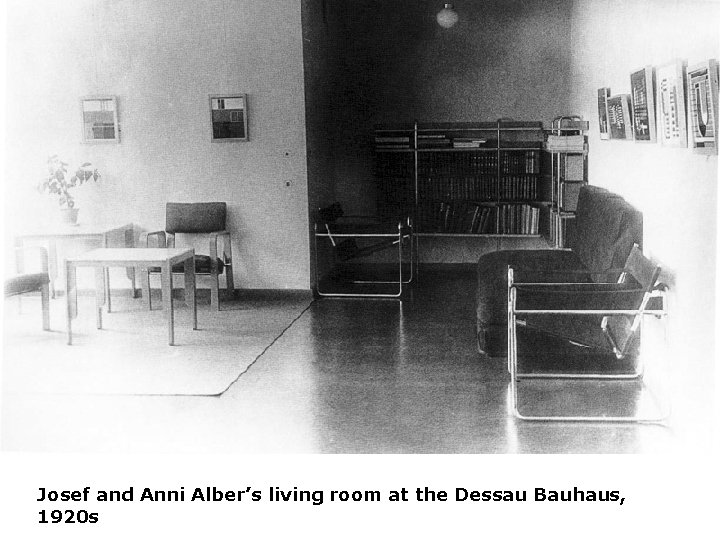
x=349, y=375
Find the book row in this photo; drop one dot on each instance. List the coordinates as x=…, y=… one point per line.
x=480, y=188
x=469, y=218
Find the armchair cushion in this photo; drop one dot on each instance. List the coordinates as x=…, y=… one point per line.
x=203, y=265
x=542, y=351
x=24, y=283
x=576, y=296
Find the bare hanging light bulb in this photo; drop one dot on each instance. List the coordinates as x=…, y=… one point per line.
x=447, y=16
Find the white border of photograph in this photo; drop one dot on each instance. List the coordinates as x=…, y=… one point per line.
x=703, y=121
x=644, y=129
x=670, y=104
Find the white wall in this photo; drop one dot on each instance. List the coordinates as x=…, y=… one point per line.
x=675, y=188
x=162, y=58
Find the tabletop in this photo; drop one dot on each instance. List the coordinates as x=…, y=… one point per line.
x=133, y=255
x=66, y=229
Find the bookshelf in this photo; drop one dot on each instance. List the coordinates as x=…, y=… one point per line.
x=566, y=171
x=462, y=179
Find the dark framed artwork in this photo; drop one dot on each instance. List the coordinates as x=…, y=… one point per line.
x=702, y=84
x=670, y=104
x=620, y=117
x=642, y=91
x=99, y=117
x=228, y=117
x=603, y=95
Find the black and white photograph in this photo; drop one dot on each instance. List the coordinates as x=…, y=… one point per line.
x=425, y=284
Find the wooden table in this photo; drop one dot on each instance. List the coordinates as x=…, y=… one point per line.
x=140, y=258
x=102, y=233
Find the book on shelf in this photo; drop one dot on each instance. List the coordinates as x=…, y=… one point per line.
x=390, y=146
x=387, y=139
x=434, y=143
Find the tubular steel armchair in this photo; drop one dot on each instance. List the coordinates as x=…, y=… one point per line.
x=206, y=219
x=582, y=331
x=24, y=282
x=356, y=237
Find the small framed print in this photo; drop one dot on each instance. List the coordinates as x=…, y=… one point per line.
x=228, y=116
x=642, y=91
x=99, y=116
x=702, y=84
x=620, y=117
x=670, y=104
x=603, y=95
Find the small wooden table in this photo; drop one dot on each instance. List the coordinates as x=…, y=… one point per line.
x=101, y=233
x=140, y=258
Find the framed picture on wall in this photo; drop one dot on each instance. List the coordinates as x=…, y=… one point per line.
x=642, y=92
x=99, y=117
x=603, y=95
x=702, y=84
x=670, y=104
x=228, y=117
x=620, y=117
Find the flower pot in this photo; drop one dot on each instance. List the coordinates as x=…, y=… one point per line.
x=69, y=215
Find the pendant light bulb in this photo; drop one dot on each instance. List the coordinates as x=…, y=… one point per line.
x=447, y=16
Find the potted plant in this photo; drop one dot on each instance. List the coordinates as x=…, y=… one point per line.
x=59, y=182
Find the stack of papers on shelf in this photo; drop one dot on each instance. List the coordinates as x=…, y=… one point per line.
x=567, y=143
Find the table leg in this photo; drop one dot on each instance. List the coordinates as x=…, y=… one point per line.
x=106, y=272
x=19, y=255
x=190, y=295
x=71, y=298
x=52, y=265
x=19, y=265
x=100, y=292
x=130, y=271
x=166, y=277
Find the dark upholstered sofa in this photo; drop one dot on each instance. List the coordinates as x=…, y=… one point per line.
x=599, y=239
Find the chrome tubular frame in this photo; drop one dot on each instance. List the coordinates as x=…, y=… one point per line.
x=404, y=234
x=515, y=376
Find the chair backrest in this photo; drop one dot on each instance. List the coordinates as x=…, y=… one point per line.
x=202, y=217
x=605, y=229
x=329, y=214
x=621, y=330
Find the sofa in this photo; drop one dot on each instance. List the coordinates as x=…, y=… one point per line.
x=599, y=240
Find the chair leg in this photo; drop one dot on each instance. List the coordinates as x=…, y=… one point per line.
x=45, y=300
x=145, y=286
x=229, y=279
x=214, y=290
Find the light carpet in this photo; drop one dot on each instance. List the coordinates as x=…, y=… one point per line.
x=131, y=355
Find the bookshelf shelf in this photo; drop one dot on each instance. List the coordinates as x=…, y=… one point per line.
x=566, y=171
x=463, y=179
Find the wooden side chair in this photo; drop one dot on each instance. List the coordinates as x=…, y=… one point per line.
x=207, y=219
x=28, y=282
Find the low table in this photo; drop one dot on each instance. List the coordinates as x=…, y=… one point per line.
x=140, y=258
x=101, y=233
